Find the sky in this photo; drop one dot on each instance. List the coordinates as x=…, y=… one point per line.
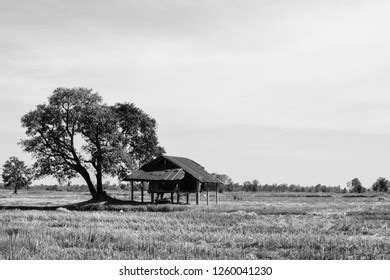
x=276, y=90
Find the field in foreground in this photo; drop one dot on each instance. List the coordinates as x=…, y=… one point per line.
x=242, y=226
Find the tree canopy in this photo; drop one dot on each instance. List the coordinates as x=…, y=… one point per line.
x=225, y=179
x=16, y=174
x=356, y=186
x=381, y=185
x=76, y=133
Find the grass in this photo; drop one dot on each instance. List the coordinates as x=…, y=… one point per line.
x=256, y=226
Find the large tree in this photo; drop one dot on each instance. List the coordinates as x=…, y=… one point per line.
x=16, y=174
x=76, y=133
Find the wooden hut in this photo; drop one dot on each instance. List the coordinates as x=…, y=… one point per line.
x=173, y=175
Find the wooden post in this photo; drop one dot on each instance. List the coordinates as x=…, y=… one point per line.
x=152, y=197
x=178, y=198
x=197, y=192
x=216, y=193
x=172, y=197
x=188, y=198
x=132, y=191
x=142, y=192
x=207, y=192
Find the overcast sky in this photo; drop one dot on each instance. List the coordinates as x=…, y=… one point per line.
x=279, y=90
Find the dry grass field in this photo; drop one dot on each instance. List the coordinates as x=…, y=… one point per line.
x=242, y=226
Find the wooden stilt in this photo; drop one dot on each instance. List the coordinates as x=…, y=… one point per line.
x=132, y=191
x=178, y=198
x=207, y=193
x=152, y=197
x=216, y=193
x=197, y=193
x=188, y=198
x=142, y=192
x=172, y=197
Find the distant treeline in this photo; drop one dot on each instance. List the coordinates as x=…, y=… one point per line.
x=354, y=186
x=256, y=187
x=69, y=187
x=247, y=187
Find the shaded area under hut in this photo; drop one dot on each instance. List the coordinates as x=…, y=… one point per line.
x=173, y=175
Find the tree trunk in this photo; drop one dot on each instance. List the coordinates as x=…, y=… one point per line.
x=98, y=194
x=99, y=183
x=16, y=189
x=99, y=173
x=84, y=173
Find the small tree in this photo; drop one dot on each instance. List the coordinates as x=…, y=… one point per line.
x=63, y=177
x=251, y=186
x=380, y=185
x=16, y=174
x=225, y=179
x=356, y=186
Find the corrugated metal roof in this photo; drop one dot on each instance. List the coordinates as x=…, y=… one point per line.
x=193, y=168
x=165, y=175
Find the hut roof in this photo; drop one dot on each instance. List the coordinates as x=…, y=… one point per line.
x=193, y=168
x=183, y=164
x=165, y=175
